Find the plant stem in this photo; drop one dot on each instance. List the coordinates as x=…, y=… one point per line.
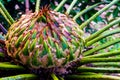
x=105, y=34
x=27, y=5
x=85, y=10
x=92, y=77
x=92, y=60
x=107, y=54
x=6, y=66
x=5, y=13
x=61, y=78
x=60, y=5
x=37, y=5
x=97, y=14
x=103, y=29
x=5, y=16
x=20, y=77
x=100, y=47
x=3, y=29
x=71, y=6
x=107, y=64
x=97, y=69
x=54, y=76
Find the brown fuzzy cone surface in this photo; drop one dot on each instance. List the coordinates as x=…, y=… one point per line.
x=44, y=40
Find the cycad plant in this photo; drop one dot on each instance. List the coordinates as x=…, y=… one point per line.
x=49, y=45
